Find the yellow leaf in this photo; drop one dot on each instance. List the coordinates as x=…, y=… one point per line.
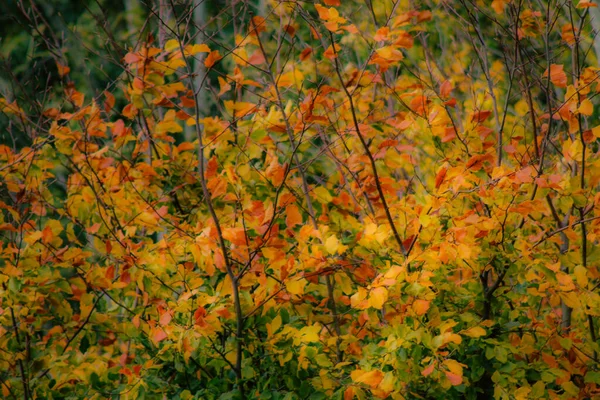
x=475, y=332
x=522, y=393
x=332, y=245
x=274, y=325
x=454, y=366
x=168, y=126
x=288, y=79
x=378, y=297
x=323, y=195
x=390, y=53
x=586, y=107
x=581, y=276
x=239, y=108
x=295, y=286
x=195, y=49
x=571, y=299
x=171, y=45
x=309, y=334
x=33, y=237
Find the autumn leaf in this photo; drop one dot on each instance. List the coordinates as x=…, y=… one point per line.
x=557, y=75
x=370, y=378
x=293, y=216
x=454, y=379
x=212, y=58
x=62, y=69
x=475, y=332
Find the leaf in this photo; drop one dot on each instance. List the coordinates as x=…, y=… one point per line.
x=331, y=53
x=292, y=216
x=295, y=77
x=239, y=108
x=212, y=58
x=199, y=48
x=322, y=195
x=557, y=75
x=235, y=235
x=445, y=89
x=454, y=366
x=310, y=334
x=474, y=332
x=158, y=335
x=296, y=286
x=62, y=69
x=381, y=34
x=371, y=378
x=172, y=44
x=580, y=273
x=586, y=107
x=378, y=297
x=332, y=245
x=224, y=86
x=421, y=306
x=522, y=393
x=454, y=379
x=439, y=178
x=168, y=127
x=428, y=370
x=498, y=6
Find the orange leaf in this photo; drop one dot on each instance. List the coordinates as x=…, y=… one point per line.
x=371, y=378
x=349, y=393
x=131, y=58
x=382, y=34
x=439, y=178
x=445, y=89
x=62, y=69
x=330, y=53
x=158, y=335
x=421, y=306
x=332, y=2
x=109, y=102
x=454, y=379
x=557, y=75
x=118, y=128
x=212, y=58
x=94, y=228
x=293, y=216
x=427, y=371
x=165, y=318
x=236, y=236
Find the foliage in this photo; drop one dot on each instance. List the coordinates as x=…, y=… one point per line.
x=376, y=199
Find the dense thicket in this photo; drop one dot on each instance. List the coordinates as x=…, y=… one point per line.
x=299, y=200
